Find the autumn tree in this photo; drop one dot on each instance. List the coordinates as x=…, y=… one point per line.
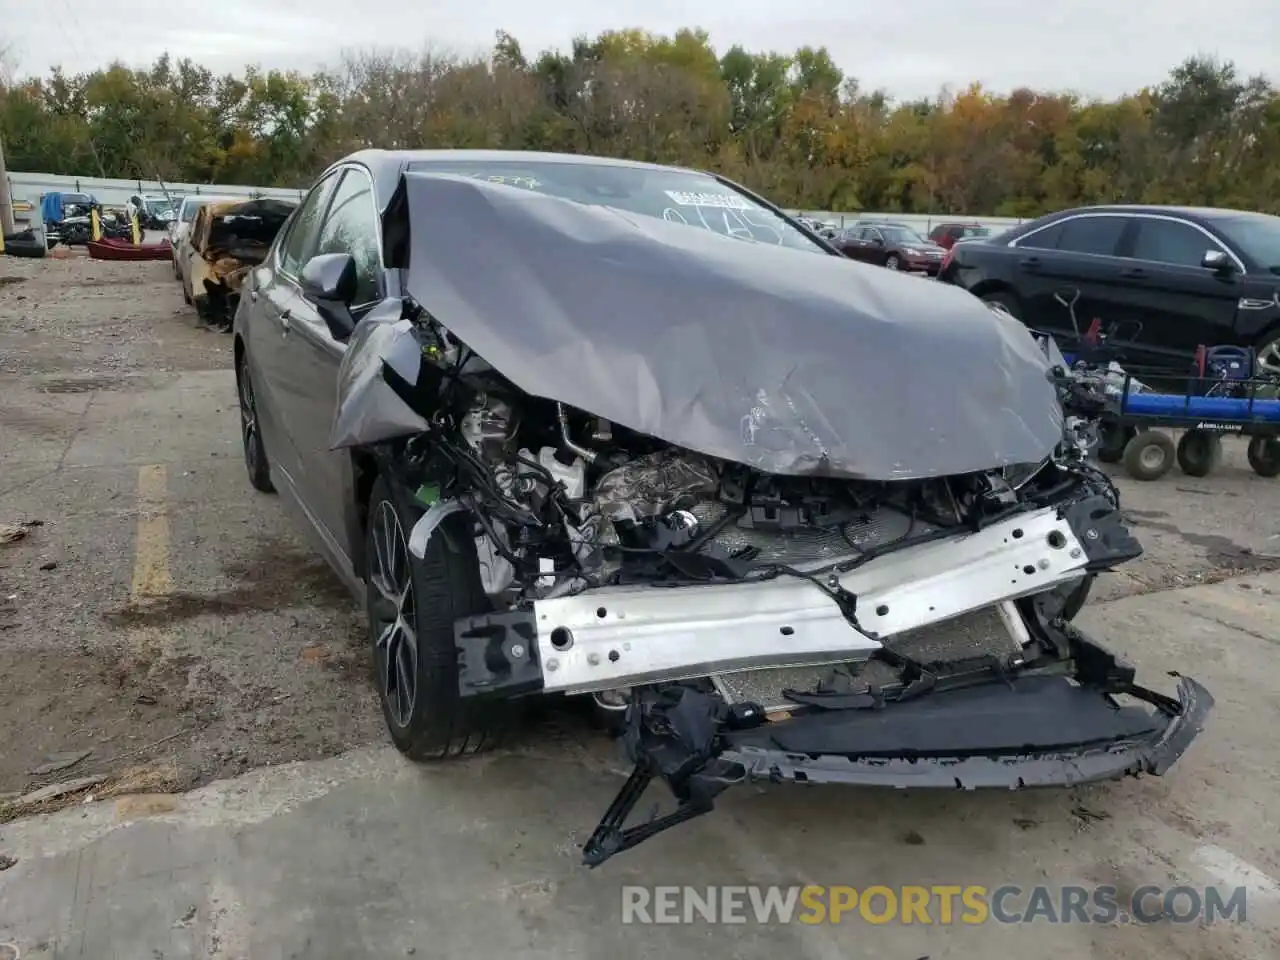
x=791, y=125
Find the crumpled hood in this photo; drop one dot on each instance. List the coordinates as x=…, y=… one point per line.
x=788, y=361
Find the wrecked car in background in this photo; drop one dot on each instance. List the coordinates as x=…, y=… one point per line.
x=580, y=426
x=225, y=242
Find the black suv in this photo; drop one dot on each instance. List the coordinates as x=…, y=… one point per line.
x=1159, y=281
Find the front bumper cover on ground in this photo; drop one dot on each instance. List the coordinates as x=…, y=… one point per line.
x=1036, y=731
x=1042, y=732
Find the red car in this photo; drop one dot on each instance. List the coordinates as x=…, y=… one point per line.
x=946, y=234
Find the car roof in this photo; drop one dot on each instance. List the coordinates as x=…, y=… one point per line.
x=205, y=198
x=386, y=165
x=1201, y=213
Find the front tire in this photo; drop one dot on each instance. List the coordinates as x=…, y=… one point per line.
x=893, y=263
x=1149, y=455
x=412, y=605
x=255, y=452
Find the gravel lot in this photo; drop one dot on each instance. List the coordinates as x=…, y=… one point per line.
x=119, y=426
x=162, y=626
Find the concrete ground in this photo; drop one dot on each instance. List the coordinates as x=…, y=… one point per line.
x=163, y=627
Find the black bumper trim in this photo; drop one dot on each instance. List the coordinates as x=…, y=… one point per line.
x=1153, y=753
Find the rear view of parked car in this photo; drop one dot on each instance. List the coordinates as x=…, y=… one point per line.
x=891, y=245
x=1161, y=281
x=180, y=229
x=227, y=240
x=946, y=235
x=580, y=426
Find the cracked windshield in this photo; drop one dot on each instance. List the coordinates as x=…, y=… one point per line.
x=673, y=195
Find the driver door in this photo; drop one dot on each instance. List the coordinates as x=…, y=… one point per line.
x=350, y=225
x=271, y=305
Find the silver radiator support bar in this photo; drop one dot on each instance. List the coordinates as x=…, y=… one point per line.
x=622, y=636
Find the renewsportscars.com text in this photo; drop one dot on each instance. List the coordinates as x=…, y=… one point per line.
x=938, y=904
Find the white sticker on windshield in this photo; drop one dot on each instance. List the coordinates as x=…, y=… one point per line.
x=723, y=201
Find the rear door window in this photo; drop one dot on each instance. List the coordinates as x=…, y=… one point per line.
x=1045, y=238
x=1095, y=235
x=1168, y=241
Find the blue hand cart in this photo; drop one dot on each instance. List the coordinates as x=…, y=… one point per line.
x=1223, y=395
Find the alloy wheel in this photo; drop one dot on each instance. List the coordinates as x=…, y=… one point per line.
x=392, y=610
x=1268, y=359
x=892, y=263
x=248, y=420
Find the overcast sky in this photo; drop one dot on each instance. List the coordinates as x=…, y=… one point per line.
x=1102, y=47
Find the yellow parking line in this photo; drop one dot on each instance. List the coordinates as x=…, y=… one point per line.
x=152, y=580
x=151, y=577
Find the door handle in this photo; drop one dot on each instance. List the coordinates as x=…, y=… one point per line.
x=1029, y=263
x=1135, y=273
x=253, y=295
x=285, y=318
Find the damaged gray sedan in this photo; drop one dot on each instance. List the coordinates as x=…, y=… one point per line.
x=576, y=426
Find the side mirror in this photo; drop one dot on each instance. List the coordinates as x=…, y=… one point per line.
x=1217, y=261
x=329, y=281
x=330, y=277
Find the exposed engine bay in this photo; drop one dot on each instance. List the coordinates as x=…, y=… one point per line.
x=565, y=502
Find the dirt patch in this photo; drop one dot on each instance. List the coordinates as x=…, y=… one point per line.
x=276, y=576
x=61, y=704
x=1225, y=557
x=87, y=317
x=6, y=281
x=84, y=384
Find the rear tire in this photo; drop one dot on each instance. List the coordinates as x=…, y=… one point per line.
x=1006, y=300
x=1199, y=452
x=1267, y=356
x=1112, y=439
x=1264, y=456
x=416, y=671
x=1149, y=455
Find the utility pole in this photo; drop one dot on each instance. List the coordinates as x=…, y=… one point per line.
x=6, y=201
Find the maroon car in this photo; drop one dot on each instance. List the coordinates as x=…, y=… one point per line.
x=892, y=245
x=946, y=234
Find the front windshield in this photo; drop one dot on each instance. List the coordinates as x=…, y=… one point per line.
x=1258, y=237
x=158, y=208
x=902, y=235
x=189, y=209
x=678, y=196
